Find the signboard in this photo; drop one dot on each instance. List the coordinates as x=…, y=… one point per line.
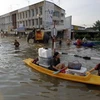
x=49, y=10
x=21, y=28
x=54, y=32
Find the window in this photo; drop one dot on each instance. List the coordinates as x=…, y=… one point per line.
x=40, y=21
x=32, y=12
x=40, y=9
x=62, y=21
x=26, y=14
x=36, y=11
x=29, y=22
x=23, y=23
x=29, y=13
x=36, y=21
x=32, y=22
x=23, y=14
x=26, y=23
x=20, y=16
x=56, y=13
x=62, y=14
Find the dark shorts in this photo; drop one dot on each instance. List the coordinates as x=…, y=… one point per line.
x=51, y=68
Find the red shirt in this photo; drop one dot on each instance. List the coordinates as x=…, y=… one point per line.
x=78, y=42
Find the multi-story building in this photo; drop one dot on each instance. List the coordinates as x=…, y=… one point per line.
x=5, y=22
x=39, y=15
x=43, y=14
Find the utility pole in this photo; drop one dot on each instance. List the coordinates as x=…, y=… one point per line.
x=54, y=37
x=54, y=34
x=38, y=16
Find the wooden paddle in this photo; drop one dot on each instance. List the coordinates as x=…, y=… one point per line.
x=56, y=72
x=84, y=57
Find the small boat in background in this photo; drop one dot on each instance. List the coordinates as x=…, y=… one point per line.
x=87, y=44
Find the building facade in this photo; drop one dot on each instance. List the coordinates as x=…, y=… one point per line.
x=44, y=14
x=5, y=22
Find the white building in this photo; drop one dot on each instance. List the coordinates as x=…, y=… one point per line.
x=39, y=15
x=5, y=22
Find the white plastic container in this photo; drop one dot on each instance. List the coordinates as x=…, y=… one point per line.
x=45, y=52
x=44, y=61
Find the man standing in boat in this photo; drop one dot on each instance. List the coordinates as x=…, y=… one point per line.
x=16, y=43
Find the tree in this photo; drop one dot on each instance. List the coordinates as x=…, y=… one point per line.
x=96, y=25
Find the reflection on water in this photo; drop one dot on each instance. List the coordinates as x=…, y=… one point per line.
x=19, y=82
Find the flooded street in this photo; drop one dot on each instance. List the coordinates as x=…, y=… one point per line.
x=19, y=82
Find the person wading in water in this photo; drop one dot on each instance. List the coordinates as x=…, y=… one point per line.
x=16, y=43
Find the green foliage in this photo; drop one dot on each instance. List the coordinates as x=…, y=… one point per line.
x=96, y=25
x=97, y=37
x=87, y=36
x=78, y=36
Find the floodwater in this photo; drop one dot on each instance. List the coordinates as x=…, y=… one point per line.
x=19, y=82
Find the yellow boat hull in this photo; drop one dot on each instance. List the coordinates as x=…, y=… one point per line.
x=88, y=79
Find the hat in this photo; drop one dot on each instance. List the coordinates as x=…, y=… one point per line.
x=56, y=53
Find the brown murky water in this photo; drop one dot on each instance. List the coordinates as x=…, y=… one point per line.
x=19, y=82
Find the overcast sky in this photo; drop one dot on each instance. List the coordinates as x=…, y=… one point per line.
x=83, y=12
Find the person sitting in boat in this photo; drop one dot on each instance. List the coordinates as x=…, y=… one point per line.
x=84, y=40
x=16, y=43
x=78, y=42
x=56, y=65
x=35, y=61
x=97, y=67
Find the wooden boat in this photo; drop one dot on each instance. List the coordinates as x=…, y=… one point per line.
x=88, y=79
